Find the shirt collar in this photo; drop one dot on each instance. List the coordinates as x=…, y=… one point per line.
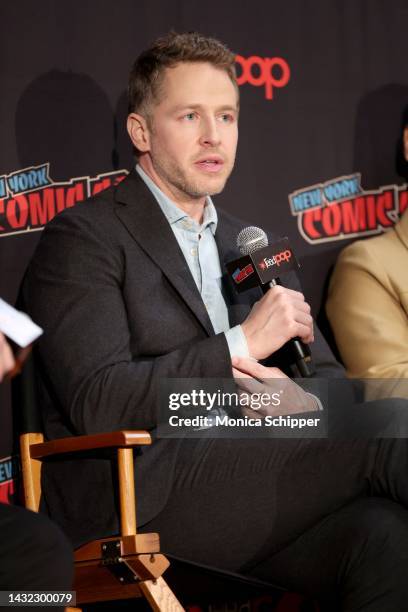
x=172, y=212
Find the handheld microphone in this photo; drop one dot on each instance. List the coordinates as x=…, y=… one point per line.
x=261, y=265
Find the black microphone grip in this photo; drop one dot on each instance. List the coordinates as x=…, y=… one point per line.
x=300, y=351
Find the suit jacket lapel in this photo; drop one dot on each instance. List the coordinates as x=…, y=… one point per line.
x=144, y=220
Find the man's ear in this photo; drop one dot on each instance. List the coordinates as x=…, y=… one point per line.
x=139, y=132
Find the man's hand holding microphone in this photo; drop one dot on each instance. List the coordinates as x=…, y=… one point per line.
x=281, y=317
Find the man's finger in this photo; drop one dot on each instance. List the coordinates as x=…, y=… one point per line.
x=6, y=357
x=249, y=366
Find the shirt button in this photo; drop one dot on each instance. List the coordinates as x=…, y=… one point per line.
x=193, y=252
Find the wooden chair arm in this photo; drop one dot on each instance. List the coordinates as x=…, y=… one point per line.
x=116, y=439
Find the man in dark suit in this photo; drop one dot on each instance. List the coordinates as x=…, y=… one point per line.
x=129, y=289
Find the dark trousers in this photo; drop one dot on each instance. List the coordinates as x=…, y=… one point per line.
x=34, y=554
x=327, y=518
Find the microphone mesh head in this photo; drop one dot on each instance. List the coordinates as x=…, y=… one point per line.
x=251, y=239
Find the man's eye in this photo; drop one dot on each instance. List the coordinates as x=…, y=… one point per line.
x=189, y=116
x=227, y=118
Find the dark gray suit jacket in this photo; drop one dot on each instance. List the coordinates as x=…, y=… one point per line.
x=120, y=309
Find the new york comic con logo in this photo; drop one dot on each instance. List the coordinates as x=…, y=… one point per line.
x=340, y=209
x=9, y=475
x=29, y=198
x=240, y=275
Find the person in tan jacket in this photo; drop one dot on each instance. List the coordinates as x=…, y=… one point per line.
x=368, y=310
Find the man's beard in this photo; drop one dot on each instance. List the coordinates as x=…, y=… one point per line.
x=188, y=186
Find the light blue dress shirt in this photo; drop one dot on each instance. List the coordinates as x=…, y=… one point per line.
x=199, y=248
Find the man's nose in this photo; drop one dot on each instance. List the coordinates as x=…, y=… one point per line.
x=210, y=136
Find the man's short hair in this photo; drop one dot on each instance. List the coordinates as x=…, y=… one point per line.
x=148, y=70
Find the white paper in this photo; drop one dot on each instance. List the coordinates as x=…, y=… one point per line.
x=17, y=326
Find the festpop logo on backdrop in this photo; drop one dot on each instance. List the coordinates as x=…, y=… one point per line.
x=29, y=198
x=266, y=72
x=340, y=209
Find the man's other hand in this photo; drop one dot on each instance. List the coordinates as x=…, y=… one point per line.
x=6, y=357
x=286, y=396
x=280, y=315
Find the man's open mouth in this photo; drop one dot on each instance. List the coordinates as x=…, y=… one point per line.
x=210, y=164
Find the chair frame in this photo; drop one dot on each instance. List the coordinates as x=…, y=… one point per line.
x=127, y=566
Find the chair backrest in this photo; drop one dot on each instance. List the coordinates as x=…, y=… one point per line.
x=31, y=471
x=26, y=410
x=27, y=425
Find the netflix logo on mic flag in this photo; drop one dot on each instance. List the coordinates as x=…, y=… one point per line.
x=262, y=266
